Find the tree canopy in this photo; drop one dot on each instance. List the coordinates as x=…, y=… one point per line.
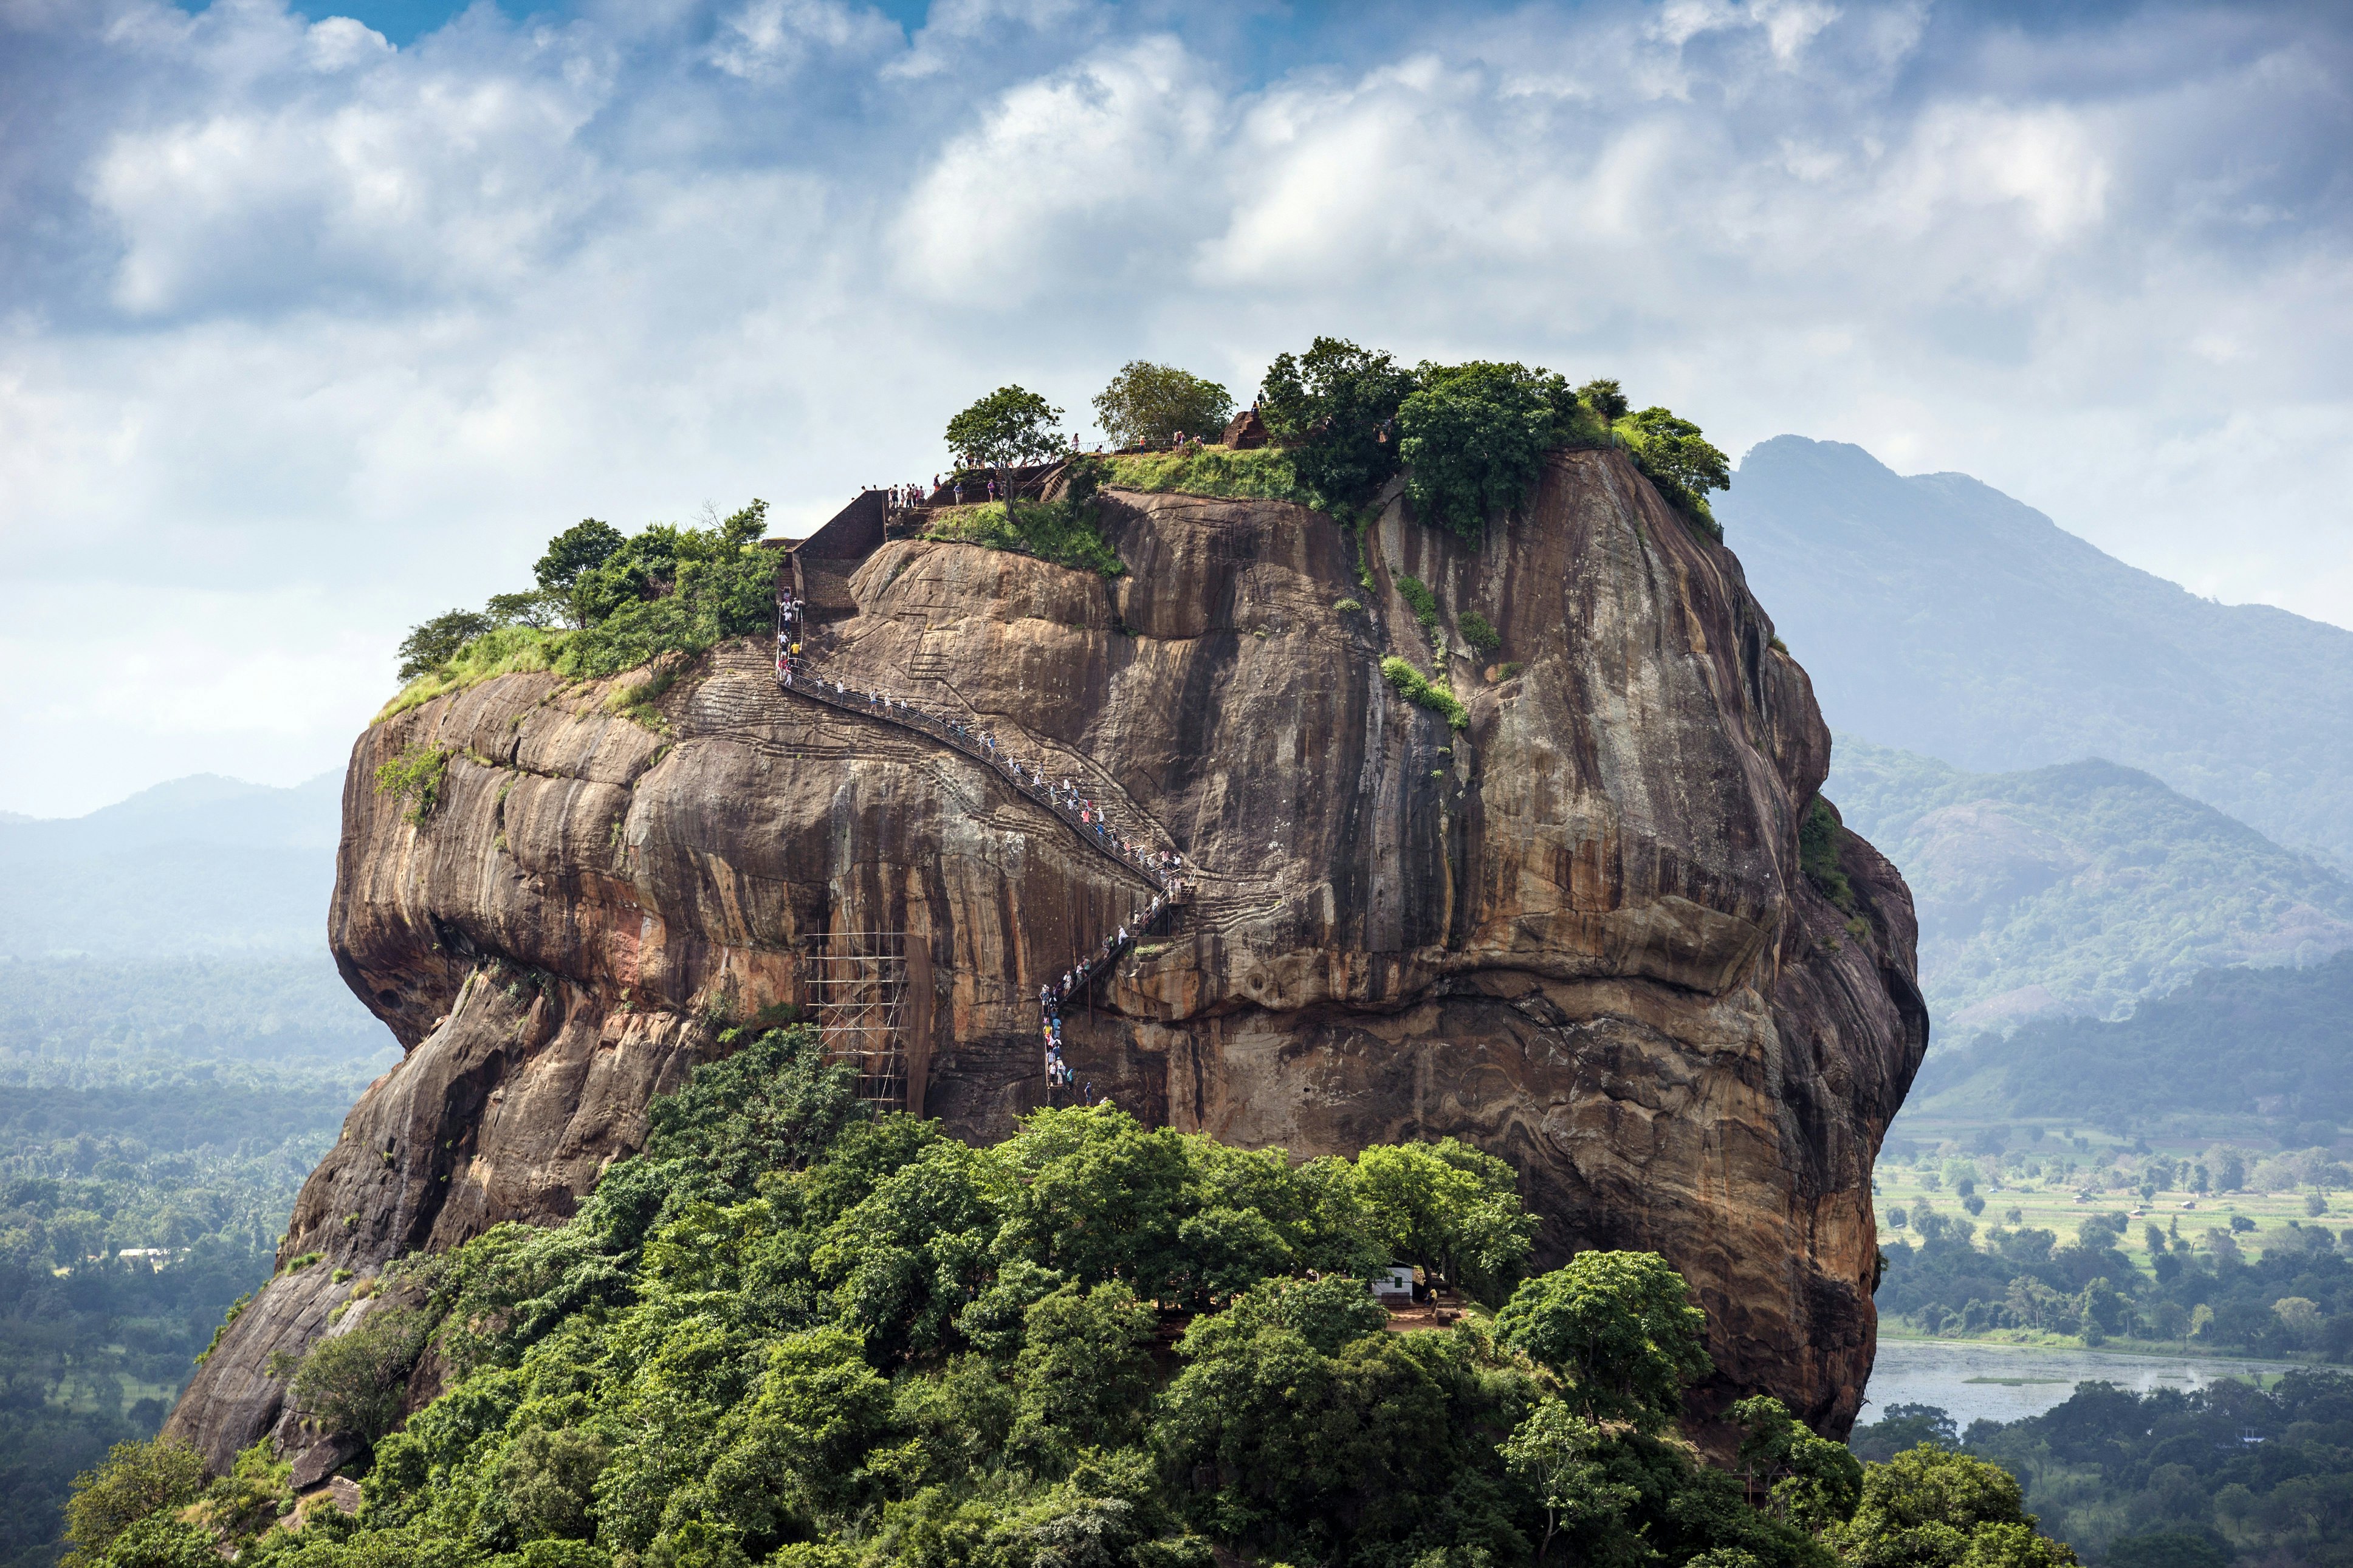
x=795, y=1333
x=1151, y=405
x=1473, y=438
x=1007, y=428
x=1337, y=405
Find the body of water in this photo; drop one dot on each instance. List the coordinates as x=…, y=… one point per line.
x=1977, y=1382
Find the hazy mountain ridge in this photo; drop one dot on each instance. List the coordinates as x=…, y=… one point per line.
x=203, y=865
x=2081, y=887
x=2268, y=1044
x=1938, y=616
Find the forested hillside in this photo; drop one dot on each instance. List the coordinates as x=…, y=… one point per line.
x=1939, y=615
x=795, y=1333
x=2270, y=1046
x=2080, y=888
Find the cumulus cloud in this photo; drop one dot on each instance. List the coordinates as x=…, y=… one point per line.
x=304, y=337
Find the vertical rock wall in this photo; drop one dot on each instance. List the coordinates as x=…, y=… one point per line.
x=1574, y=933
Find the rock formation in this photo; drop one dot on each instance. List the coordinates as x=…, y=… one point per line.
x=1574, y=932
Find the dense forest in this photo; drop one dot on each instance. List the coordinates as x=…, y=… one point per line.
x=155, y=1122
x=2173, y=1480
x=795, y=1333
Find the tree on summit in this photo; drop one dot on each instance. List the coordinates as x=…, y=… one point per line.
x=1151, y=405
x=1009, y=428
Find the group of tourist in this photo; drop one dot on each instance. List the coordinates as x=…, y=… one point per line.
x=898, y=497
x=1162, y=866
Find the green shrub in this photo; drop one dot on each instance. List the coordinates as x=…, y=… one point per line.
x=1818, y=854
x=1480, y=632
x=1066, y=532
x=413, y=778
x=1680, y=462
x=1152, y=404
x=297, y=1265
x=353, y=1385
x=1423, y=603
x=1347, y=606
x=1416, y=687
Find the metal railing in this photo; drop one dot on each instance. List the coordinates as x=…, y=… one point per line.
x=797, y=674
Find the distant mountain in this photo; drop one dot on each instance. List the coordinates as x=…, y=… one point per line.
x=203, y=865
x=1937, y=615
x=188, y=922
x=2266, y=1049
x=2081, y=888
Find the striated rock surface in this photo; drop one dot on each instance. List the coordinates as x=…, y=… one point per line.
x=1574, y=933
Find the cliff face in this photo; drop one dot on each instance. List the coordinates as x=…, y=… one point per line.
x=1574, y=933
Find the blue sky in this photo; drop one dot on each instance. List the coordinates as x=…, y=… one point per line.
x=315, y=322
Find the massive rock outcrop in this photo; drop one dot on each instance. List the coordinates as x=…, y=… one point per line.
x=1574, y=932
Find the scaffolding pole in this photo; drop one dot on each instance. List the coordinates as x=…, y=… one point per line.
x=856, y=984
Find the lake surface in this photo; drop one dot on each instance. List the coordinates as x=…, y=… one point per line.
x=2009, y=1383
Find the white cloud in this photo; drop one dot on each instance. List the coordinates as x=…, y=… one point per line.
x=305, y=338
x=1066, y=183
x=768, y=40
x=339, y=43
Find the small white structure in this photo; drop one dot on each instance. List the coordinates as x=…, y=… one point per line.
x=1394, y=1283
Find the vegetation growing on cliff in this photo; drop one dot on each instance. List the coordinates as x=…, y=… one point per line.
x=1471, y=438
x=629, y=598
x=1417, y=688
x=795, y=1333
x=1067, y=530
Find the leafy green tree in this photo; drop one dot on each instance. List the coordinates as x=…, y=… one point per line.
x=1085, y=1375
x=1619, y=1327
x=136, y=1480
x=1929, y=1508
x=352, y=1383
x=1559, y=1454
x=1336, y=404
x=1475, y=436
x=537, y=609
x=1604, y=398
x=549, y=1479
x=1810, y=1481
x=1450, y=1208
x=1679, y=459
x=1151, y=405
x=1008, y=427
x=909, y=1257
x=572, y=554
x=1090, y=1194
x=1300, y=1451
x=428, y=647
